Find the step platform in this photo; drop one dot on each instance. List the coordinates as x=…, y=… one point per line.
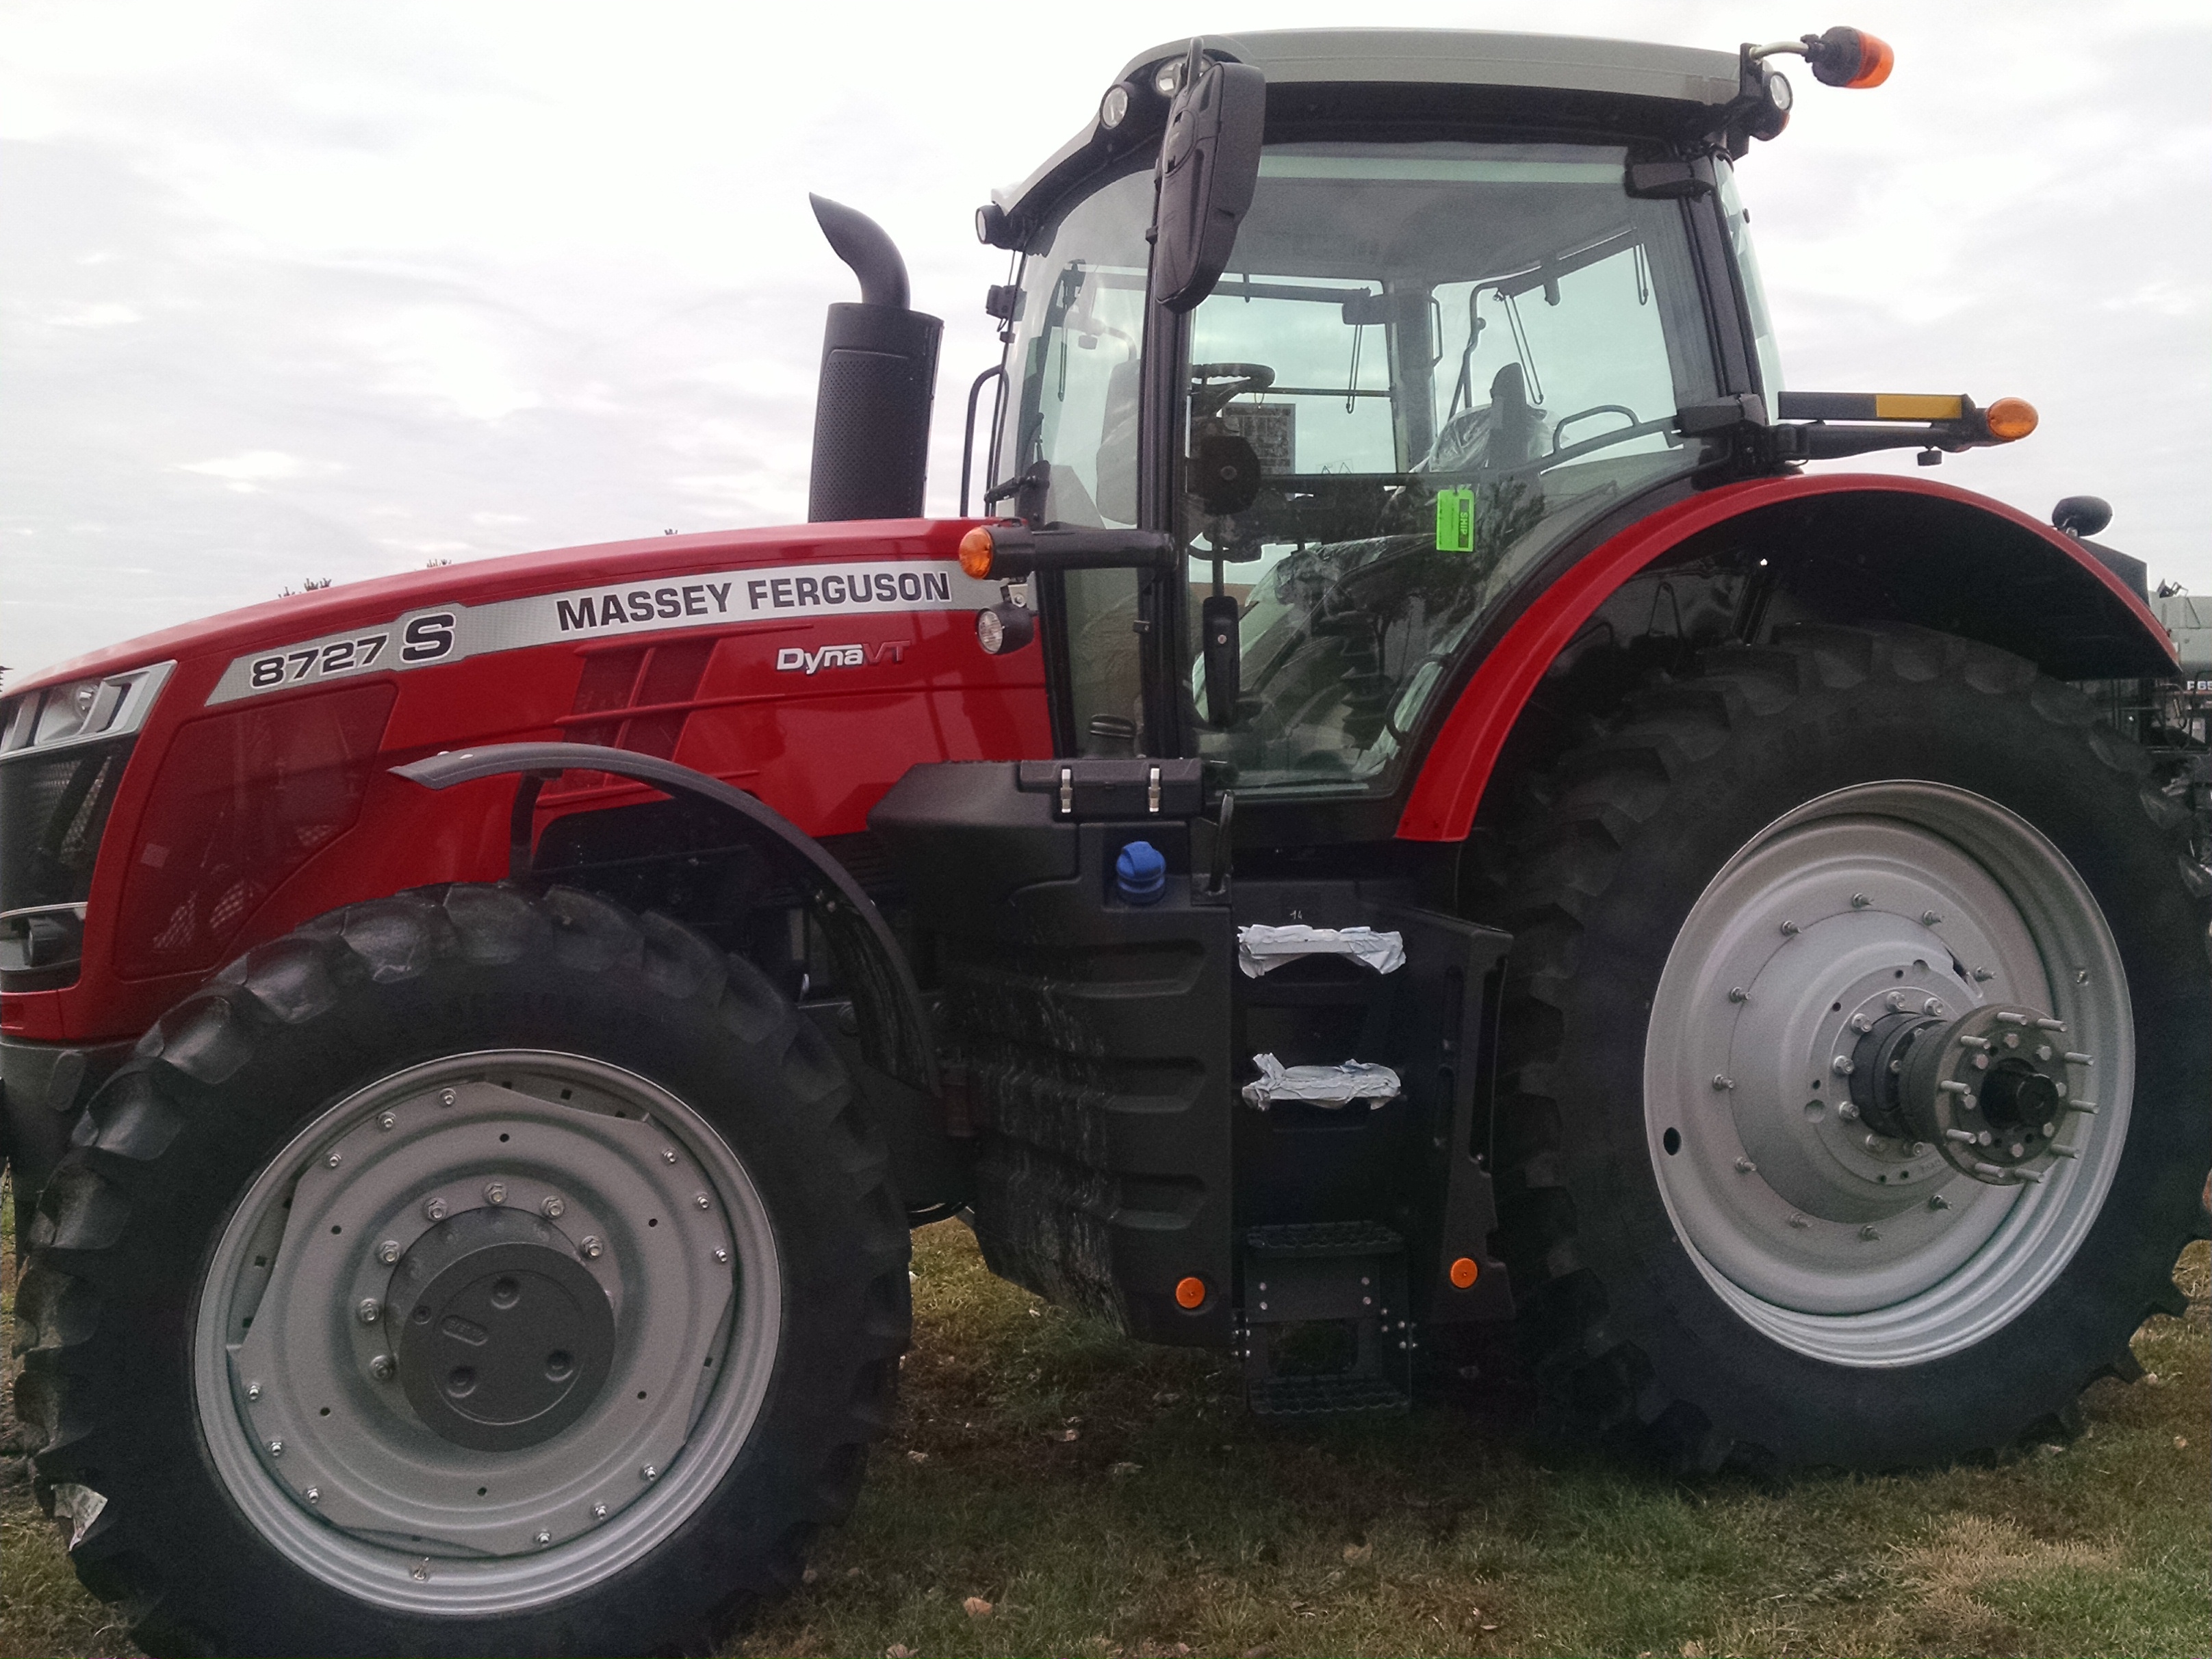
x=1350, y=1274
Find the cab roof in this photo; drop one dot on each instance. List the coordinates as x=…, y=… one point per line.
x=1686, y=75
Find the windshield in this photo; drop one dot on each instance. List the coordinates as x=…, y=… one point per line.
x=1427, y=365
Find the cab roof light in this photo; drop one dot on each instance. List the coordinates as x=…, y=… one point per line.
x=1839, y=57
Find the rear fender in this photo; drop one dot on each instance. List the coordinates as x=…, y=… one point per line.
x=891, y=1048
x=1841, y=548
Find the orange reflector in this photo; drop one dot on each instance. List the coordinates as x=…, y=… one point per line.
x=976, y=552
x=1464, y=1273
x=1189, y=1293
x=2010, y=418
x=1875, y=61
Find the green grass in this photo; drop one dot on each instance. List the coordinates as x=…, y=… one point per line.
x=1168, y=1522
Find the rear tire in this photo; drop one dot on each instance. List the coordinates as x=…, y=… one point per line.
x=643, y=1124
x=1704, y=1270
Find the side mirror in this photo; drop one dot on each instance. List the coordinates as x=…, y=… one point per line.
x=1208, y=168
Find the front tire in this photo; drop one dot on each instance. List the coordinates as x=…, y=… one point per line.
x=472, y=1272
x=1716, y=1257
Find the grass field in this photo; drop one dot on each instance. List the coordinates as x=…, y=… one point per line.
x=1107, y=1500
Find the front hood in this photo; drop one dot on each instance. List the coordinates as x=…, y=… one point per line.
x=479, y=582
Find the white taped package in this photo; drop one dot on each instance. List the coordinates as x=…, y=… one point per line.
x=1320, y=1085
x=1262, y=949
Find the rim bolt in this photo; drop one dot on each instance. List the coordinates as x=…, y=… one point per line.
x=1737, y=993
x=1983, y=976
x=275, y=1449
x=253, y=1391
x=543, y=1538
x=1723, y=1084
x=1980, y=1044
x=334, y=1159
x=590, y=1246
x=700, y=1200
x=435, y=1209
x=668, y=1155
x=1938, y=1201
x=447, y=1096
x=420, y=1572
x=381, y=1368
x=1869, y=1233
x=388, y=1251
x=1789, y=929
x=2073, y=1059
x=650, y=1472
x=313, y=1494
x=386, y=1119
x=495, y=1192
x=1859, y=901
x=1931, y=919
x=1873, y=1143
x=368, y=1310
x=553, y=1206
x=599, y=1511
x=1798, y=1221
x=1745, y=1166
x=1951, y=1088
x=721, y=1255
x=1842, y=1065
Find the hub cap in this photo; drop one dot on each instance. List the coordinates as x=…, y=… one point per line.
x=1892, y=924
x=487, y=1332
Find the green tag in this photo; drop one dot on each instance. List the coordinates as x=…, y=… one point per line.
x=1455, y=521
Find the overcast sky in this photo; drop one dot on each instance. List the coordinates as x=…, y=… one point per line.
x=293, y=291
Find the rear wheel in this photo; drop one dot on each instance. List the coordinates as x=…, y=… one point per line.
x=470, y=1272
x=1740, y=1219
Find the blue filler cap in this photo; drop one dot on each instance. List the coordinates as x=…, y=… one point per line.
x=1141, y=873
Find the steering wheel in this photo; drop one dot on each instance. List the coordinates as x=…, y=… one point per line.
x=1237, y=379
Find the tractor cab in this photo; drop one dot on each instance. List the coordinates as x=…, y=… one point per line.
x=1479, y=279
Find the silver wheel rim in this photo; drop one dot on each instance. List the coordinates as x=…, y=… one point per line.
x=1841, y=1245
x=328, y=1461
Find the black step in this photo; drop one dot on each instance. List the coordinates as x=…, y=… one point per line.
x=1324, y=1396
x=1324, y=1238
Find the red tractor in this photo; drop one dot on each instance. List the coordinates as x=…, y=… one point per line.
x=1415, y=809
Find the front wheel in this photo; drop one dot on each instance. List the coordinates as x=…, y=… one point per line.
x=1857, y=1100
x=470, y=1272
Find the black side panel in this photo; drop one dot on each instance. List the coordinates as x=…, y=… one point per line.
x=43, y=1088
x=1092, y=1035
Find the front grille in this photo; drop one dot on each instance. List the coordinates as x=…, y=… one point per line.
x=52, y=809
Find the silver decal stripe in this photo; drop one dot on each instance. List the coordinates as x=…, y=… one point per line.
x=434, y=634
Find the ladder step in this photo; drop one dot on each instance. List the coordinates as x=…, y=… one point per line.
x=1323, y=1239
x=1324, y=1396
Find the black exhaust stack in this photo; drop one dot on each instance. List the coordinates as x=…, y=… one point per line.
x=878, y=377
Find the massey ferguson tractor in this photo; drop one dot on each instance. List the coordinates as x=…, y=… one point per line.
x=1418, y=801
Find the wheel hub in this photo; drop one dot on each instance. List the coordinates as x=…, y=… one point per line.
x=504, y=1339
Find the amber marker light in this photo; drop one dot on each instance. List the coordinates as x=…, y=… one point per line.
x=976, y=552
x=1464, y=1273
x=1190, y=1292
x=2010, y=419
x=1875, y=61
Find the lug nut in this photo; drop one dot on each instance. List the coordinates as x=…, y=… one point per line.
x=1951, y=1088
x=253, y=1391
x=2043, y=1051
x=2073, y=1059
x=650, y=1472
x=590, y=1246
x=275, y=1449
x=1842, y=1065
x=553, y=1207
x=1932, y=1005
x=1896, y=1001
x=1861, y=1024
x=668, y=1155
x=388, y=1251
x=542, y=1537
x=447, y=1096
x=435, y=1208
x=368, y=1310
x=599, y=1511
x=386, y=1119
x=313, y=1494
x=1980, y=1044
x=334, y=1160
x=381, y=1368
x=1845, y=1110
x=495, y=1192
x=721, y=1255
x=700, y=1200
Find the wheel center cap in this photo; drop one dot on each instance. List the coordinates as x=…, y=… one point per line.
x=504, y=1339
